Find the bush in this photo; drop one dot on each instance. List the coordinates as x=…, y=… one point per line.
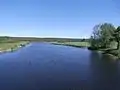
x=93, y=48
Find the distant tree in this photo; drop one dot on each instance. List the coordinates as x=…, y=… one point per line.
x=82, y=40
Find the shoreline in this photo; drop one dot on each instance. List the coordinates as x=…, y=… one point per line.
x=99, y=51
x=116, y=57
x=104, y=53
x=77, y=46
x=14, y=47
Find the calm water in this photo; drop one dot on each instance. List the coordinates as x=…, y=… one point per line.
x=42, y=66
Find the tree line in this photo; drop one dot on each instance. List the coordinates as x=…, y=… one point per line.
x=104, y=35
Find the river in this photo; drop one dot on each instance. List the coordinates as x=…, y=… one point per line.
x=43, y=66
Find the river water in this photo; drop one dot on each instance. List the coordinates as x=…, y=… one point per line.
x=43, y=66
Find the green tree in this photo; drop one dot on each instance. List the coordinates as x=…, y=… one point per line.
x=95, y=37
x=102, y=33
x=83, y=40
x=107, y=31
x=117, y=37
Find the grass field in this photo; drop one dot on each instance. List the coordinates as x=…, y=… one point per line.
x=13, y=43
x=75, y=44
x=11, y=46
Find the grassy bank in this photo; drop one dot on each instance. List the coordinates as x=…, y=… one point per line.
x=114, y=52
x=12, y=46
x=109, y=51
x=74, y=44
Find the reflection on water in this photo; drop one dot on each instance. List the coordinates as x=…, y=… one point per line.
x=104, y=72
x=42, y=66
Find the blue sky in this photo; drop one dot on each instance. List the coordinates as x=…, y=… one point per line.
x=56, y=18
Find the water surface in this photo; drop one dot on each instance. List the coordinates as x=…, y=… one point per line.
x=43, y=66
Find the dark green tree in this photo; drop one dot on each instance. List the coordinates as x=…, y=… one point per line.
x=107, y=31
x=102, y=33
x=117, y=37
x=95, y=37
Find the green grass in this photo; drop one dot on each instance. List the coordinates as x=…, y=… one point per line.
x=76, y=44
x=8, y=46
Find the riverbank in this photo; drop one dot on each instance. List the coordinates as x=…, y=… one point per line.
x=12, y=46
x=73, y=44
x=108, y=51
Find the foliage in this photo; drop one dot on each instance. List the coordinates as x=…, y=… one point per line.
x=102, y=33
x=95, y=38
x=107, y=31
x=106, y=37
x=117, y=36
